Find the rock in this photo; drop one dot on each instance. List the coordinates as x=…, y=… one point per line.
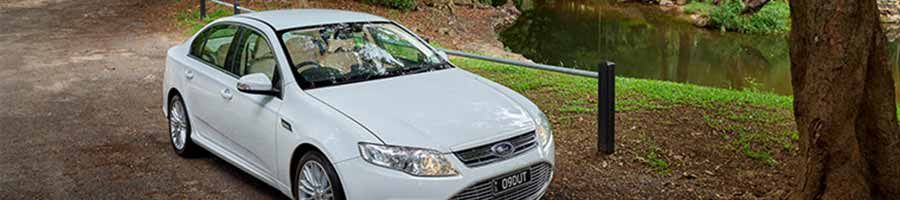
x=700, y=20
x=438, y=3
x=685, y=175
x=667, y=3
x=445, y=31
x=890, y=18
x=640, y=159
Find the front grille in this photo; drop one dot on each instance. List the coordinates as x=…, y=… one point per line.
x=540, y=175
x=482, y=155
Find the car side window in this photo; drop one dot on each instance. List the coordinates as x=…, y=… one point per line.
x=216, y=43
x=255, y=55
x=197, y=45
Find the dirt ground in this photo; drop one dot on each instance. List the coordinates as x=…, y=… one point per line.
x=80, y=114
x=80, y=118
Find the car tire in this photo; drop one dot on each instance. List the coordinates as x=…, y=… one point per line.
x=315, y=160
x=180, y=128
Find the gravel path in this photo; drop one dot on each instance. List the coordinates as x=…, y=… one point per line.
x=80, y=114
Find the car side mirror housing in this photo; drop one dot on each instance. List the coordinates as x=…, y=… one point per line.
x=443, y=55
x=256, y=83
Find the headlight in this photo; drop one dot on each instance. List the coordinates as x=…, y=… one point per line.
x=414, y=161
x=544, y=130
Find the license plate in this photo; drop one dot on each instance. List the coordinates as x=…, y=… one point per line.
x=512, y=180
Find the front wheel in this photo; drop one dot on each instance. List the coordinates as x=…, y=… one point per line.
x=180, y=129
x=316, y=179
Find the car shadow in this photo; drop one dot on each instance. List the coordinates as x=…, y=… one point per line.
x=265, y=190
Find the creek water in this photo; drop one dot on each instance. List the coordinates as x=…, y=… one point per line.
x=646, y=42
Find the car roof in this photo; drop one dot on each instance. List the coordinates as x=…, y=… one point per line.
x=296, y=18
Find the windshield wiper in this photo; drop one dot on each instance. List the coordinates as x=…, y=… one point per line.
x=365, y=77
x=421, y=68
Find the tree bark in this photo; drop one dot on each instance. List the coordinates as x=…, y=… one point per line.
x=844, y=102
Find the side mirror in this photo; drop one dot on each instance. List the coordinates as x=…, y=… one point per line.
x=256, y=83
x=443, y=55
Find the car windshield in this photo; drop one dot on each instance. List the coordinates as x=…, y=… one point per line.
x=354, y=52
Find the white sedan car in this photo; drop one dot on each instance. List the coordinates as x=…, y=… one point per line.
x=327, y=104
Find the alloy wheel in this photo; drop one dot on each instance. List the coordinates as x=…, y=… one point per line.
x=178, y=125
x=313, y=182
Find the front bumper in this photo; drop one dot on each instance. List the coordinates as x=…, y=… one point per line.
x=362, y=180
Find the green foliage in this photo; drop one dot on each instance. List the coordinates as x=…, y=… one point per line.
x=774, y=17
x=191, y=18
x=398, y=4
x=762, y=156
x=657, y=163
x=745, y=128
x=728, y=15
x=577, y=106
x=752, y=84
x=698, y=7
x=670, y=93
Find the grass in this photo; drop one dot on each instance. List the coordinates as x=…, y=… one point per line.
x=190, y=19
x=752, y=122
x=654, y=158
x=631, y=93
x=656, y=162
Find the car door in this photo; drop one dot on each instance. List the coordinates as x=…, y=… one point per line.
x=210, y=81
x=255, y=116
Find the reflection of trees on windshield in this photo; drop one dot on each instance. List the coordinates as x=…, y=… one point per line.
x=353, y=52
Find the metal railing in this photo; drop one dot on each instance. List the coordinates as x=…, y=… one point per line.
x=606, y=76
x=570, y=71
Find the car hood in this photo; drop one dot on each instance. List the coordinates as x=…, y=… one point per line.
x=446, y=110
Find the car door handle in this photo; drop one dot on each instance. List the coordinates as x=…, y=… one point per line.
x=189, y=74
x=226, y=94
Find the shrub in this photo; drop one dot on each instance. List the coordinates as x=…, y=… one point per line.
x=727, y=15
x=398, y=4
x=774, y=17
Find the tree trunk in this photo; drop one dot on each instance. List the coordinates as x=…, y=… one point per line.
x=843, y=102
x=751, y=6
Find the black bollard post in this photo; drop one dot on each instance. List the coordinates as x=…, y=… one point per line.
x=237, y=4
x=606, y=115
x=202, y=9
